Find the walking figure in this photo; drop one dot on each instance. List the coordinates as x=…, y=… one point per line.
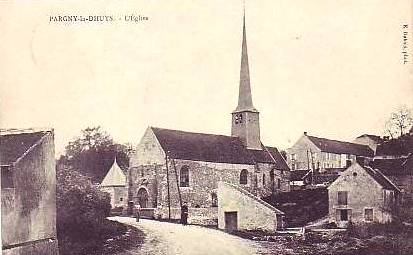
x=184, y=214
x=137, y=212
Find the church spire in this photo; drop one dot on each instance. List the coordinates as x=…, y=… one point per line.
x=244, y=98
x=245, y=118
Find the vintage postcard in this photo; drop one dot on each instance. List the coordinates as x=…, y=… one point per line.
x=206, y=127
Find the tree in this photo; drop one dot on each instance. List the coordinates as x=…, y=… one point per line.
x=93, y=153
x=399, y=121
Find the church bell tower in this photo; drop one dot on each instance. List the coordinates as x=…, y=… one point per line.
x=245, y=118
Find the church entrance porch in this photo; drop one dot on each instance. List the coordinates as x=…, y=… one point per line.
x=142, y=197
x=231, y=221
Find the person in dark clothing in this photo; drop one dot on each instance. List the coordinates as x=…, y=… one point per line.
x=137, y=212
x=184, y=214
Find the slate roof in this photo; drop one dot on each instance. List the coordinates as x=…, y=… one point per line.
x=340, y=147
x=325, y=178
x=114, y=177
x=13, y=145
x=214, y=148
x=381, y=179
x=394, y=167
x=298, y=175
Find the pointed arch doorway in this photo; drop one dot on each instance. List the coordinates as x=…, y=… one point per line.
x=142, y=197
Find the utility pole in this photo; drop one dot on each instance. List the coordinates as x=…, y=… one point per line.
x=167, y=182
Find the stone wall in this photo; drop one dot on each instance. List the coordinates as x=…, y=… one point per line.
x=251, y=213
x=29, y=209
x=199, y=216
x=203, y=182
x=363, y=193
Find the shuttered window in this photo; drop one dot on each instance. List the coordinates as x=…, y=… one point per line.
x=342, y=197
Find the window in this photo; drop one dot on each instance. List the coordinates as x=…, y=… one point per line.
x=243, y=177
x=6, y=178
x=293, y=167
x=184, y=176
x=121, y=199
x=342, y=197
x=263, y=180
x=368, y=214
x=293, y=156
x=278, y=183
x=238, y=118
x=343, y=215
x=214, y=199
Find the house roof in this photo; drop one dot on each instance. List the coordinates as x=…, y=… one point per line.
x=325, y=178
x=114, y=177
x=381, y=179
x=15, y=144
x=340, y=147
x=391, y=167
x=298, y=175
x=214, y=148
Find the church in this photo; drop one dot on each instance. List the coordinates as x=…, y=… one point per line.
x=171, y=167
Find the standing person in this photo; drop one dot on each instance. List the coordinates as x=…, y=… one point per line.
x=137, y=212
x=184, y=214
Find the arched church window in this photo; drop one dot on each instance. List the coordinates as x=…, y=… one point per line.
x=214, y=199
x=184, y=176
x=243, y=177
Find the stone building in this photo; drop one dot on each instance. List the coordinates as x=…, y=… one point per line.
x=241, y=210
x=114, y=183
x=362, y=194
x=322, y=154
x=172, y=167
x=28, y=192
x=370, y=140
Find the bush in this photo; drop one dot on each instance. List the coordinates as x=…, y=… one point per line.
x=82, y=209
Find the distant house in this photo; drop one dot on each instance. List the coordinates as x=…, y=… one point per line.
x=370, y=140
x=311, y=152
x=28, y=192
x=114, y=183
x=362, y=194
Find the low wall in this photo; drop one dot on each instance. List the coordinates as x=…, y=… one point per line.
x=206, y=216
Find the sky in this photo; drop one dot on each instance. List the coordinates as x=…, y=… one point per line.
x=331, y=68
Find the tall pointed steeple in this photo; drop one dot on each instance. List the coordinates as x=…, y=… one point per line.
x=245, y=118
x=245, y=97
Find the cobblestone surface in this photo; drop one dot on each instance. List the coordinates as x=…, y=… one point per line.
x=174, y=239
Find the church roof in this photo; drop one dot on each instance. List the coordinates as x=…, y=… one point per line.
x=114, y=177
x=214, y=148
x=15, y=143
x=340, y=147
x=245, y=97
